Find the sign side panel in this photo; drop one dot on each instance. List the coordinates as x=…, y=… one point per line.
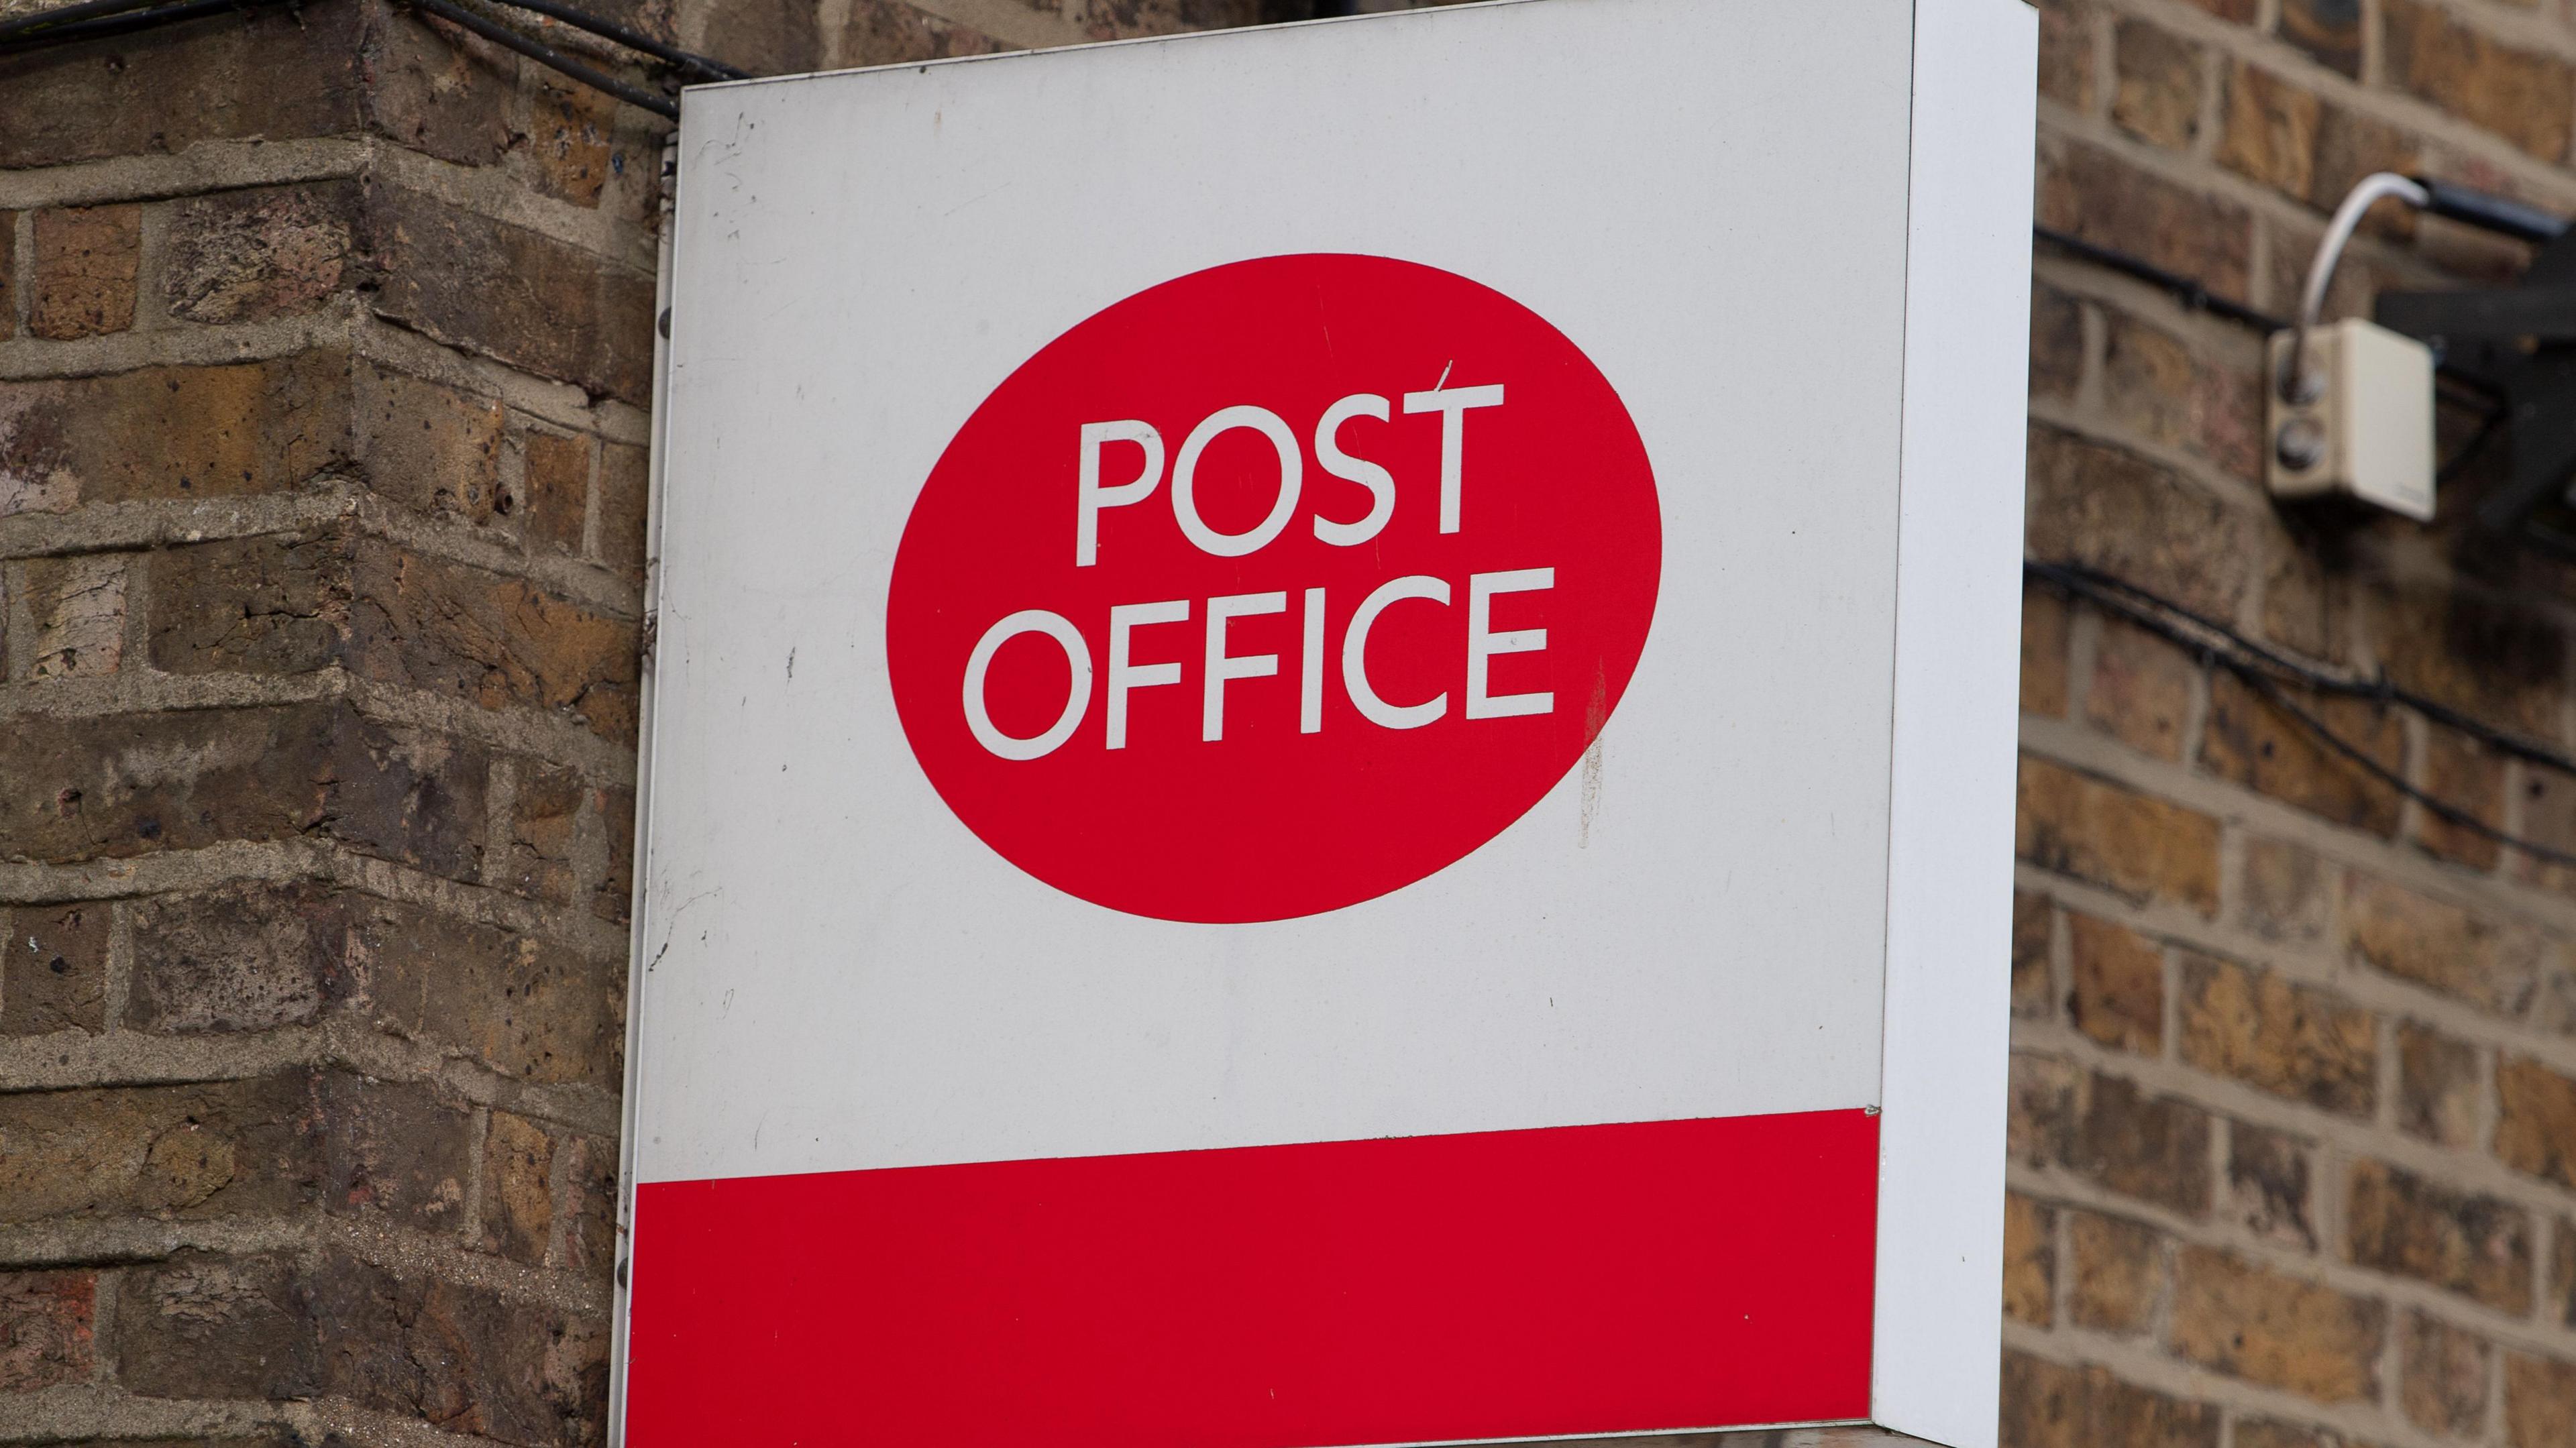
x=630, y=1100
x=1940, y=1243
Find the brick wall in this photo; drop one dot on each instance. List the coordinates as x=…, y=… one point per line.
x=324, y=352
x=2294, y=1090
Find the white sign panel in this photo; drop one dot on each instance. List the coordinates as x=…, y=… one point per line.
x=1330, y=751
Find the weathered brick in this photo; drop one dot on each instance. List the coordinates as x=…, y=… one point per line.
x=2273, y=1433
x=132, y=784
x=2494, y=661
x=261, y=253
x=2270, y=131
x=2477, y=1246
x=570, y=141
x=411, y=796
x=2044, y=621
x=2119, y=986
x=2561, y=1306
x=518, y=1192
x=2269, y=1185
x=2351, y=145
x=2536, y=1120
x=624, y=491
x=590, y=1211
x=429, y=447
x=2033, y=991
x=2443, y=946
x=616, y=893
x=2525, y=96
x=460, y=1357
x=2154, y=1148
x=2117, y=1272
x=266, y=605
x=8, y=273
x=173, y=432
x=2539, y=1402
x=2157, y=95
x=78, y=607
x=2066, y=30
x=2437, y=1085
x=439, y=90
x=2235, y=12
x=2442, y=1384
x=163, y=93
x=395, y=1150
x=2548, y=820
x=2162, y=388
x=555, y=489
x=543, y=823
x=2138, y=845
x=2039, y=1120
x=493, y=640
x=2098, y=505
x=53, y=968
x=2469, y=776
x=783, y=39
x=2141, y=689
x=87, y=259
x=2328, y=30
x=2302, y=601
x=519, y=1005
x=512, y=294
x=241, y=1147
x=2291, y=1040
x=46, y=1325
x=890, y=32
x=2094, y=195
x=205, y=1326
x=2253, y=742
x=2288, y=893
x=2030, y=1260
x=2056, y=342
x=2247, y=1321
x=235, y=958
x=2049, y=1405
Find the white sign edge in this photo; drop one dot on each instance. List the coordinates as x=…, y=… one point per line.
x=1936, y=1350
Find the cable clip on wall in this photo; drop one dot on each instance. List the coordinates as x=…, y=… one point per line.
x=2351, y=402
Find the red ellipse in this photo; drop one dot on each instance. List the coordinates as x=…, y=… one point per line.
x=1556, y=525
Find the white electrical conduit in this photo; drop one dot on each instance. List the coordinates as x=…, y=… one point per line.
x=2296, y=383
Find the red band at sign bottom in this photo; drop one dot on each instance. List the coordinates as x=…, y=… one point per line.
x=1572, y=1280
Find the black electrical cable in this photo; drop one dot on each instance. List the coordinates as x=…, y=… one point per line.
x=2189, y=291
x=2265, y=670
x=547, y=55
x=127, y=22
x=631, y=39
x=67, y=14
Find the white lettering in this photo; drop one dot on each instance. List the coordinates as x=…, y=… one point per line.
x=1483, y=643
x=1381, y=484
x=1124, y=620
x=1090, y=497
x=1185, y=508
x=1355, y=677
x=1077, y=695
x=1452, y=404
x=1221, y=666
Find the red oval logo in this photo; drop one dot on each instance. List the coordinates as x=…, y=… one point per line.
x=1273, y=588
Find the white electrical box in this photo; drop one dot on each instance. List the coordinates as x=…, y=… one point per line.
x=2362, y=422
